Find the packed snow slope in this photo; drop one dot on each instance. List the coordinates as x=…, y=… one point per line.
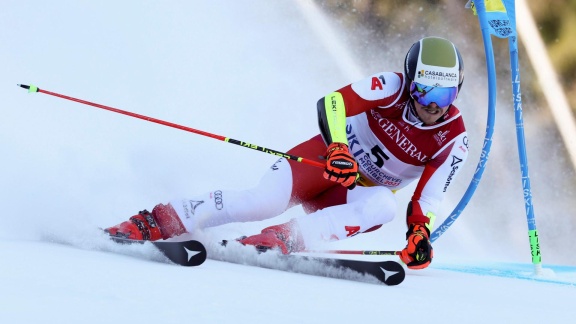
x=45, y=282
x=249, y=70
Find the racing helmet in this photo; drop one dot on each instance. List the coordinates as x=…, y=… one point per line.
x=435, y=69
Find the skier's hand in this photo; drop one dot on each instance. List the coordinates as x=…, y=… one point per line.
x=341, y=166
x=418, y=252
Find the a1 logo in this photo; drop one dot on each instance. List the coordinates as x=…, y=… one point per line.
x=352, y=230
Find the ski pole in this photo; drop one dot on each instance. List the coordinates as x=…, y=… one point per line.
x=359, y=252
x=32, y=88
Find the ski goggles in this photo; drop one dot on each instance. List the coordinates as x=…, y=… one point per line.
x=426, y=95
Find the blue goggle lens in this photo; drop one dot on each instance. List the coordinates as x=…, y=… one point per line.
x=426, y=95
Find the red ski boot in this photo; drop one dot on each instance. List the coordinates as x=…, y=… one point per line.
x=161, y=223
x=285, y=236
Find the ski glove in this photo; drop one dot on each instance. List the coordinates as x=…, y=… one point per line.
x=418, y=252
x=341, y=166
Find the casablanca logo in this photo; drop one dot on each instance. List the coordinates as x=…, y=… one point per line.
x=437, y=75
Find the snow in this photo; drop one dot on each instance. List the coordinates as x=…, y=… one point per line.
x=65, y=284
x=221, y=67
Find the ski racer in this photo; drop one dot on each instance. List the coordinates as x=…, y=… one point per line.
x=377, y=135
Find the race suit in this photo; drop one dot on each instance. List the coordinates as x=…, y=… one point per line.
x=392, y=148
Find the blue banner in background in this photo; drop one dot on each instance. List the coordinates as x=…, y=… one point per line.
x=500, y=16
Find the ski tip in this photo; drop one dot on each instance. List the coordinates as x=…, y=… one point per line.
x=186, y=253
x=196, y=253
x=392, y=273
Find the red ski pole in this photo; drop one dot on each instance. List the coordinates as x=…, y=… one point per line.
x=357, y=252
x=32, y=88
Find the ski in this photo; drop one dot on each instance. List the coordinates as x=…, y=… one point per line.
x=390, y=273
x=189, y=253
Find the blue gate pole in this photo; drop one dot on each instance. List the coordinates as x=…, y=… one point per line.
x=517, y=99
x=491, y=69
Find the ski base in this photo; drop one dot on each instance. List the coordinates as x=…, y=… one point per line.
x=391, y=273
x=189, y=253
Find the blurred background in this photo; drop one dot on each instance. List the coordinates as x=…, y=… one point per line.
x=253, y=70
x=379, y=30
x=555, y=19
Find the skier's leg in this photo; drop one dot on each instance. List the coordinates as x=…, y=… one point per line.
x=342, y=215
x=364, y=209
x=285, y=184
x=268, y=199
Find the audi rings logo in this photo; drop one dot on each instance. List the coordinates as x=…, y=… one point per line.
x=218, y=202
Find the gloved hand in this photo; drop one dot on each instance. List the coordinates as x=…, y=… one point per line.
x=341, y=166
x=418, y=252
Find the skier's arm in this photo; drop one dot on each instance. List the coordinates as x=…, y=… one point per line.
x=352, y=100
x=438, y=174
x=332, y=118
x=380, y=90
x=341, y=167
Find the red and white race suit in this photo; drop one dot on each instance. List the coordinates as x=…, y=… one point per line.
x=392, y=148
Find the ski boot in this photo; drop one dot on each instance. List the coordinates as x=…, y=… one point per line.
x=161, y=223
